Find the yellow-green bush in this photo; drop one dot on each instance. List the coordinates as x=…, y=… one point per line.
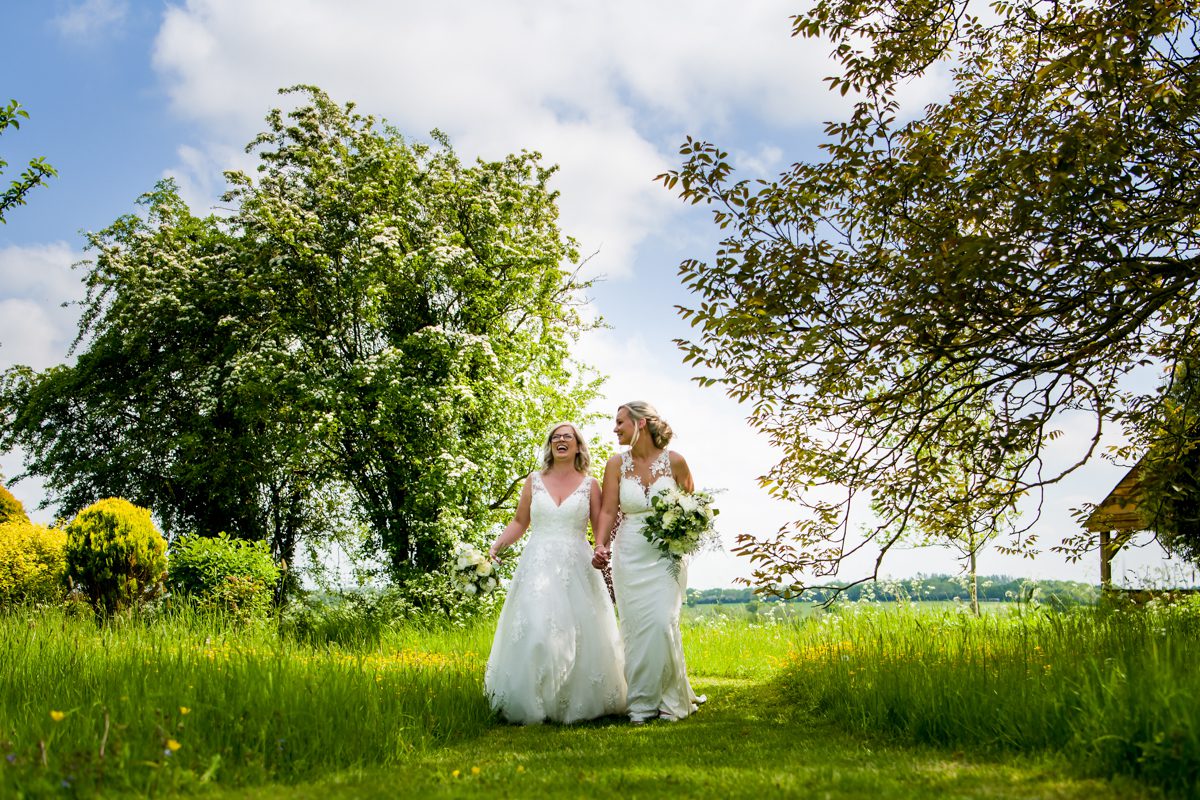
x=32, y=563
x=115, y=555
x=11, y=509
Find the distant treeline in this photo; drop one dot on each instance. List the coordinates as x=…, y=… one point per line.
x=992, y=589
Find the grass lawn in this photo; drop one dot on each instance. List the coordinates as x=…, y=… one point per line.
x=740, y=745
x=223, y=713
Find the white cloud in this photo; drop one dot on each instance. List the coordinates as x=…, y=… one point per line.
x=28, y=335
x=199, y=174
x=91, y=19
x=35, y=328
x=594, y=87
x=767, y=160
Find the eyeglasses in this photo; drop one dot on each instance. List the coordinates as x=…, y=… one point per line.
x=562, y=437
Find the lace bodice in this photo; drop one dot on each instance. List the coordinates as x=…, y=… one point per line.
x=635, y=496
x=568, y=519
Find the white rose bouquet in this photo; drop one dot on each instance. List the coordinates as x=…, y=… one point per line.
x=472, y=572
x=680, y=524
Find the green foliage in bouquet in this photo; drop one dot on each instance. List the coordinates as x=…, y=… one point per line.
x=233, y=575
x=680, y=524
x=32, y=563
x=115, y=555
x=11, y=509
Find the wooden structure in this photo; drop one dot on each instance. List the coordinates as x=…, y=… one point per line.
x=1117, y=519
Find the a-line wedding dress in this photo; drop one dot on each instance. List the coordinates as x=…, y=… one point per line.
x=557, y=653
x=649, y=599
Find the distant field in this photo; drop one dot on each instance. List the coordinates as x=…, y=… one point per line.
x=765, y=612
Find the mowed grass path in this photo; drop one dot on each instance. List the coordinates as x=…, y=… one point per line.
x=741, y=744
x=747, y=741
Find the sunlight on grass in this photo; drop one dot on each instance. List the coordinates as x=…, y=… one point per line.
x=171, y=703
x=1117, y=692
x=258, y=708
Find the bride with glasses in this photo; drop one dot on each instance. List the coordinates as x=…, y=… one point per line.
x=556, y=655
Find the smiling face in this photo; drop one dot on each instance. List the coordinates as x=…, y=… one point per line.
x=624, y=426
x=563, y=444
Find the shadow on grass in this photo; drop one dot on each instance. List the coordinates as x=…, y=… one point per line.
x=738, y=745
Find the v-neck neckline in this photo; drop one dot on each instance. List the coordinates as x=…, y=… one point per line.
x=567, y=496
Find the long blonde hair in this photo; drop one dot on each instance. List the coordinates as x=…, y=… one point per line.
x=660, y=432
x=583, y=459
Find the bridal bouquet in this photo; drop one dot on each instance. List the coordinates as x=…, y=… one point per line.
x=680, y=524
x=472, y=572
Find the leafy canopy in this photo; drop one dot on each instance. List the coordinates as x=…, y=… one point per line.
x=1024, y=246
x=34, y=175
x=368, y=341
x=1169, y=473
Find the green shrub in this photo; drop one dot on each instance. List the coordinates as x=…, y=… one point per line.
x=32, y=563
x=352, y=620
x=438, y=602
x=360, y=618
x=115, y=555
x=233, y=575
x=11, y=509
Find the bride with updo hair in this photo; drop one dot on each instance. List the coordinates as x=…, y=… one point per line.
x=649, y=596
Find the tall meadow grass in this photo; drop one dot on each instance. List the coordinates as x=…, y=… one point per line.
x=162, y=703
x=154, y=705
x=1117, y=692
x=733, y=644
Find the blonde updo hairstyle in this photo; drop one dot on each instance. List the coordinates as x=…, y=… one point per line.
x=583, y=458
x=660, y=432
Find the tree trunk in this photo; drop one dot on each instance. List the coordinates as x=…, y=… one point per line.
x=974, y=580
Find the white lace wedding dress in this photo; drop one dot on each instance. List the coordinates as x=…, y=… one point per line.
x=557, y=653
x=649, y=600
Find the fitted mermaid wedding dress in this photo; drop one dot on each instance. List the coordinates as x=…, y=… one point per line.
x=557, y=653
x=649, y=599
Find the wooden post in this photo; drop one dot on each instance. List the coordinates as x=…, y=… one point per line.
x=1105, y=561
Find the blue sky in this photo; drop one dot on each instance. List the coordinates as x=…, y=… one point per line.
x=122, y=93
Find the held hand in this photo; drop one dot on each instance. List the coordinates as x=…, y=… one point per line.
x=600, y=556
x=494, y=554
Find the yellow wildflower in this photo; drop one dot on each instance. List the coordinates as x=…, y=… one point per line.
x=184, y=710
x=474, y=770
x=173, y=745
x=57, y=716
x=454, y=774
